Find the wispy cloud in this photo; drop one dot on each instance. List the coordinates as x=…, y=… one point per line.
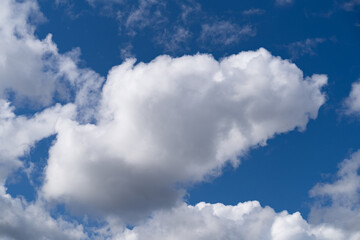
x=147, y=13
x=305, y=47
x=351, y=5
x=284, y=2
x=225, y=32
x=253, y=11
x=174, y=39
x=137, y=18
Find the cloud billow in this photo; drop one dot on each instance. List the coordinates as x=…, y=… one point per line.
x=352, y=102
x=173, y=122
x=156, y=129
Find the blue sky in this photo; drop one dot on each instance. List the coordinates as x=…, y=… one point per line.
x=134, y=113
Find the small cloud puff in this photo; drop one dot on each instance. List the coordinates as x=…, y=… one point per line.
x=352, y=102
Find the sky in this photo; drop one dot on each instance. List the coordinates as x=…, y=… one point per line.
x=154, y=119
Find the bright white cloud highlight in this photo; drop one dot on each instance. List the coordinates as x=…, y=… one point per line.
x=175, y=121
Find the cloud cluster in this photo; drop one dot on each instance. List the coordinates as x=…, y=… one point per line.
x=157, y=128
x=334, y=220
x=173, y=24
x=247, y=221
x=172, y=122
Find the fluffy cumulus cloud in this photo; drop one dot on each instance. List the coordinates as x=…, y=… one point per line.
x=157, y=128
x=352, y=103
x=247, y=221
x=19, y=133
x=23, y=221
x=334, y=220
x=172, y=122
x=342, y=198
x=33, y=73
x=33, y=69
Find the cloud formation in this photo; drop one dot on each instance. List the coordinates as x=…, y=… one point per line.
x=32, y=70
x=175, y=121
x=352, y=102
x=19, y=133
x=305, y=47
x=247, y=221
x=334, y=216
x=225, y=32
x=158, y=127
x=30, y=221
x=342, y=196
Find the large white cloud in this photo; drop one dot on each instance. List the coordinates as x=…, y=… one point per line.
x=172, y=122
x=160, y=126
x=246, y=221
x=335, y=215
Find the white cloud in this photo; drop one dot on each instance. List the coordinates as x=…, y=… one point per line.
x=337, y=219
x=175, y=121
x=24, y=221
x=342, y=196
x=175, y=39
x=144, y=13
x=160, y=126
x=33, y=69
x=225, y=32
x=305, y=47
x=246, y=221
x=352, y=103
x=19, y=133
x=21, y=220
